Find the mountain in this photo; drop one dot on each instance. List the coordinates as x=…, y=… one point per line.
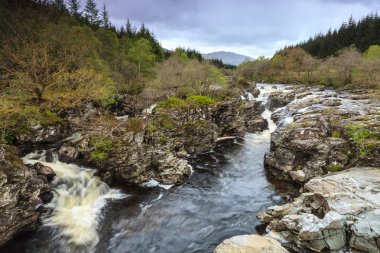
x=228, y=57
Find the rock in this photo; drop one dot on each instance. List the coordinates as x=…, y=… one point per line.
x=280, y=99
x=366, y=232
x=68, y=153
x=319, y=139
x=250, y=244
x=44, y=170
x=42, y=135
x=229, y=119
x=336, y=210
x=20, y=191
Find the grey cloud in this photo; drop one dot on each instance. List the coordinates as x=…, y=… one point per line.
x=264, y=25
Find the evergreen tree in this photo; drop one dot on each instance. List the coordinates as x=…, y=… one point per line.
x=60, y=5
x=91, y=13
x=74, y=7
x=105, y=18
x=130, y=31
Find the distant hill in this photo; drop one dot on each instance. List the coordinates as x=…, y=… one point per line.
x=228, y=57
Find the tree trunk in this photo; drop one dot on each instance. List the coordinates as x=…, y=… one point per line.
x=39, y=95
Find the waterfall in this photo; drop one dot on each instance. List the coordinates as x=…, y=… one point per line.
x=76, y=208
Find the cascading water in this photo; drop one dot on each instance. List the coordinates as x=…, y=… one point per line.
x=76, y=207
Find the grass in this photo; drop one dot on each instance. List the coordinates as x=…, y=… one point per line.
x=103, y=148
x=336, y=167
x=172, y=103
x=201, y=100
x=194, y=101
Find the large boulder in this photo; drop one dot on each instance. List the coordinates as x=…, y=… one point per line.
x=280, y=99
x=336, y=211
x=20, y=191
x=250, y=244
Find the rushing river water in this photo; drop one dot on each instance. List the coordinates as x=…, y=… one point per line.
x=220, y=200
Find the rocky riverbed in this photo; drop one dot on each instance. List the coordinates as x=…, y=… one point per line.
x=326, y=146
x=323, y=158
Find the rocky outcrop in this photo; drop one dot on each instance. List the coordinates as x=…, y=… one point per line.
x=20, y=191
x=155, y=145
x=320, y=134
x=42, y=135
x=336, y=211
x=250, y=244
x=229, y=119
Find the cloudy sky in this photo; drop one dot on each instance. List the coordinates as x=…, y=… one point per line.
x=250, y=27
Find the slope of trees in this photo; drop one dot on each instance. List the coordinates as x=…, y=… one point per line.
x=349, y=67
x=54, y=57
x=362, y=34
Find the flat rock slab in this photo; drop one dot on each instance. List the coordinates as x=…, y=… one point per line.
x=250, y=244
x=351, y=191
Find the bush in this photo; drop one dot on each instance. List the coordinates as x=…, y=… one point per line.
x=362, y=138
x=172, y=103
x=200, y=100
x=103, y=147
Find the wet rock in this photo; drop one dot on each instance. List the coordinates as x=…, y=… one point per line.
x=335, y=211
x=250, y=244
x=68, y=153
x=44, y=170
x=20, y=189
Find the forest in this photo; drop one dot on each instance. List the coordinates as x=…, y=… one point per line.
x=348, y=57
x=54, y=57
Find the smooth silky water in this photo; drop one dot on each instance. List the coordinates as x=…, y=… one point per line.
x=220, y=200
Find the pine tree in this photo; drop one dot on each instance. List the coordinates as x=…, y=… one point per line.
x=74, y=7
x=129, y=29
x=91, y=13
x=60, y=5
x=105, y=18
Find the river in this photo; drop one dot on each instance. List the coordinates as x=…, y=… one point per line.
x=227, y=188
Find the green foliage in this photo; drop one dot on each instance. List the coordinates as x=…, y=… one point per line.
x=172, y=103
x=373, y=52
x=166, y=121
x=336, y=134
x=16, y=164
x=102, y=147
x=362, y=137
x=336, y=167
x=151, y=128
x=23, y=120
x=241, y=81
x=200, y=100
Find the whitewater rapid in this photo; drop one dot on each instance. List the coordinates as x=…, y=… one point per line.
x=76, y=208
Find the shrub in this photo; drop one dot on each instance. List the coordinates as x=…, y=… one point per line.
x=200, y=100
x=172, y=103
x=335, y=134
x=103, y=147
x=362, y=137
x=135, y=125
x=336, y=167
